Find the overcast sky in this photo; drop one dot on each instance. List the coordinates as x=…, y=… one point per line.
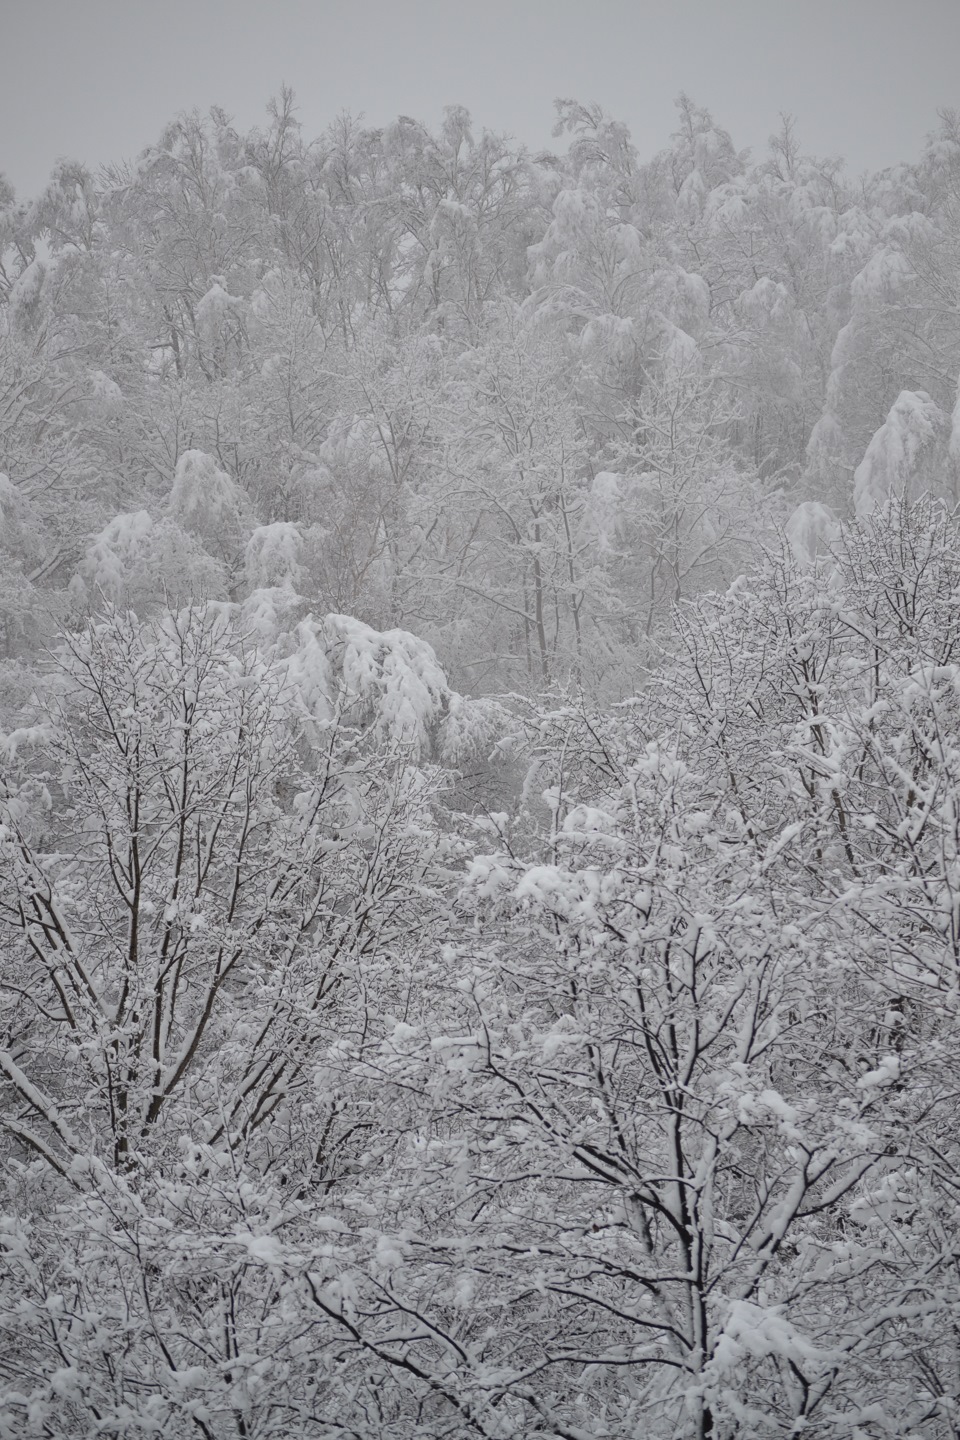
x=96, y=80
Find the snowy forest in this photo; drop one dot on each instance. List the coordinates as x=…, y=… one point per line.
x=480, y=792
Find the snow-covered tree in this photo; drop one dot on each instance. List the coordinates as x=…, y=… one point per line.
x=196, y=907
x=898, y=459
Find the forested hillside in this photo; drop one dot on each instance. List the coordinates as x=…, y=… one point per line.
x=480, y=793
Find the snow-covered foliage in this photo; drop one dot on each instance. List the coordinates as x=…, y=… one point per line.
x=207, y=502
x=434, y=395
x=138, y=560
x=272, y=556
x=892, y=464
x=119, y=547
x=391, y=675
x=632, y=1101
x=811, y=530
x=479, y=837
x=389, y=684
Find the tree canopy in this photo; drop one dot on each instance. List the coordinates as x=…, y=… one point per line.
x=479, y=773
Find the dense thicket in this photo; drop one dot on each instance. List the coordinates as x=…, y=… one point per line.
x=516, y=404
x=480, y=846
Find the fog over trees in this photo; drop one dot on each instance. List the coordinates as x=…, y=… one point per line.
x=480, y=789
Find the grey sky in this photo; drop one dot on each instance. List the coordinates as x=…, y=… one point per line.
x=97, y=79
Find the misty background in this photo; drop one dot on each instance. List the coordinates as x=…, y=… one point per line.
x=96, y=82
